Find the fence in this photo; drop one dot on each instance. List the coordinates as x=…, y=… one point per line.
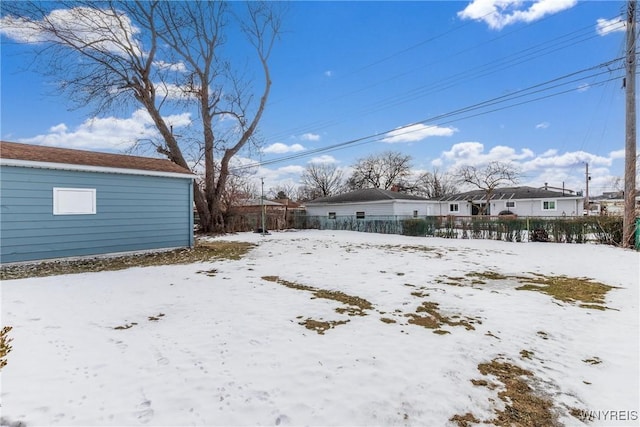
x=514, y=229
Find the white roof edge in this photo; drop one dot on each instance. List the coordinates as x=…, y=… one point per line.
x=89, y=168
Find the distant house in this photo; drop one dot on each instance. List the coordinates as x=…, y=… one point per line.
x=612, y=203
x=59, y=202
x=368, y=202
x=521, y=201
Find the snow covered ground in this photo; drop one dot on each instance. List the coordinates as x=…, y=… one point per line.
x=218, y=344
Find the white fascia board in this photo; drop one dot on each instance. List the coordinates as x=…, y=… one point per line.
x=88, y=168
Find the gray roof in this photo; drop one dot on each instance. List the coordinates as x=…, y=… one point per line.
x=366, y=195
x=508, y=193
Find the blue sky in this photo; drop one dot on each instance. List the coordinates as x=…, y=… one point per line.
x=349, y=70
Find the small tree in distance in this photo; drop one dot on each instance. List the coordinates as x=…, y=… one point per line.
x=488, y=178
x=384, y=170
x=321, y=180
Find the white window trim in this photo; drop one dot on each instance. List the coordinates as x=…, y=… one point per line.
x=59, y=207
x=555, y=205
x=457, y=207
x=360, y=217
x=506, y=204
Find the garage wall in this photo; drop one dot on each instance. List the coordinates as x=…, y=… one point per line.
x=133, y=212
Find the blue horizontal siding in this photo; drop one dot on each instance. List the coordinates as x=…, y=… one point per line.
x=134, y=212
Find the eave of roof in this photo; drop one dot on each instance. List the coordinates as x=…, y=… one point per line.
x=36, y=156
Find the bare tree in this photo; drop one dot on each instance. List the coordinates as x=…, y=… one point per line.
x=162, y=56
x=488, y=178
x=321, y=180
x=380, y=171
x=434, y=184
x=283, y=191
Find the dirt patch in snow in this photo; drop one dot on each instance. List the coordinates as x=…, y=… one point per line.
x=353, y=305
x=428, y=315
x=202, y=252
x=523, y=405
x=583, y=292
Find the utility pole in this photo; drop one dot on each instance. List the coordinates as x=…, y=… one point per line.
x=586, y=192
x=628, y=225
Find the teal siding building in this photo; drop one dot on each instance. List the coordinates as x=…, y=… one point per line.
x=57, y=203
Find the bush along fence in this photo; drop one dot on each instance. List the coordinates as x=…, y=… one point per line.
x=607, y=230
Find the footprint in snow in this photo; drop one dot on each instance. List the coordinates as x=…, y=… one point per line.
x=145, y=413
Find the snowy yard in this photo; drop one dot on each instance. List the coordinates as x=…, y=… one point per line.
x=330, y=328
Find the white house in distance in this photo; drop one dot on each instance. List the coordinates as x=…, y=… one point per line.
x=368, y=202
x=520, y=201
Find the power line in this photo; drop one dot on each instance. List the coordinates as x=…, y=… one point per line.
x=536, y=51
x=532, y=90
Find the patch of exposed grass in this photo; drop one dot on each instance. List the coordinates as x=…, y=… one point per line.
x=543, y=335
x=526, y=354
x=487, y=275
x=203, y=251
x=356, y=306
x=433, y=319
x=210, y=273
x=320, y=326
x=593, y=361
x=387, y=320
x=570, y=289
x=420, y=294
x=523, y=405
x=156, y=317
x=126, y=326
x=5, y=345
x=466, y=420
x=586, y=293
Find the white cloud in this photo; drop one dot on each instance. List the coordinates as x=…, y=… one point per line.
x=324, y=159
x=417, y=132
x=618, y=154
x=584, y=87
x=501, y=13
x=291, y=169
x=172, y=91
x=568, y=159
x=328, y=73
x=83, y=27
x=280, y=148
x=178, y=66
x=109, y=133
x=543, y=125
x=608, y=26
x=551, y=166
x=310, y=137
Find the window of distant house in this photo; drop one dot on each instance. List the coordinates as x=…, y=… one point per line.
x=415, y=214
x=74, y=201
x=332, y=215
x=548, y=205
x=453, y=207
x=510, y=204
x=360, y=215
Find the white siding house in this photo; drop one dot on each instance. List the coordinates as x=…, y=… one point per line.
x=370, y=202
x=520, y=201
